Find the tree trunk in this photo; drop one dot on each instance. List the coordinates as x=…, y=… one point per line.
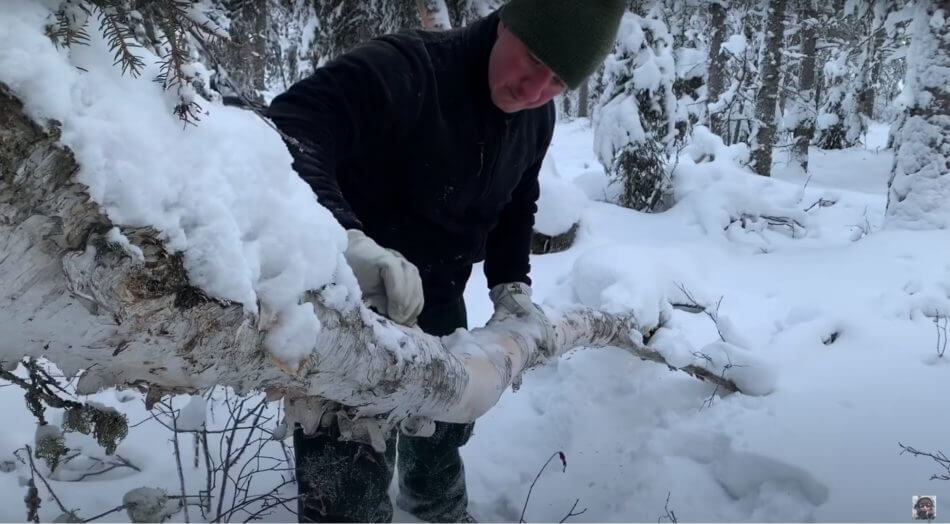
x=127, y=314
x=433, y=15
x=804, y=129
x=882, y=9
x=765, y=100
x=919, y=187
x=583, y=100
x=715, y=83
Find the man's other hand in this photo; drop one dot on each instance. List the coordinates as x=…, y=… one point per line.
x=514, y=299
x=390, y=283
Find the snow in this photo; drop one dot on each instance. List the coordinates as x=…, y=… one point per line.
x=192, y=416
x=735, y=44
x=690, y=62
x=822, y=445
x=222, y=193
x=560, y=203
x=829, y=323
x=638, y=66
x=826, y=120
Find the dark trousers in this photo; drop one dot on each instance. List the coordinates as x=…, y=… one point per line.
x=344, y=481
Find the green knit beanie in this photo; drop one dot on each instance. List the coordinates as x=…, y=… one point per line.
x=572, y=37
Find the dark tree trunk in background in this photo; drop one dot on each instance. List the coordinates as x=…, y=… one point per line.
x=765, y=100
x=583, y=100
x=805, y=128
x=715, y=83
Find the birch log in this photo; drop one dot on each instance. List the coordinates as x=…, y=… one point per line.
x=126, y=313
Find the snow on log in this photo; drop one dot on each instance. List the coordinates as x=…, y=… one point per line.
x=122, y=308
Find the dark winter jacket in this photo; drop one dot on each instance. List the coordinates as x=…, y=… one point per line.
x=399, y=138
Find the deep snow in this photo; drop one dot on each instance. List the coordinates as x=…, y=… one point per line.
x=822, y=444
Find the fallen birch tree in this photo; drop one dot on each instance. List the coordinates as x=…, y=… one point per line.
x=124, y=312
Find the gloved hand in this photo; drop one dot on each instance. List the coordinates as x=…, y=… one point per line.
x=514, y=299
x=390, y=283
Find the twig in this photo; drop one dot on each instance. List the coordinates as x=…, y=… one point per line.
x=37, y=388
x=670, y=514
x=696, y=307
x=36, y=473
x=99, y=516
x=559, y=454
x=181, y=474
x=939, y=457
x=821, y=202
x=722, y=376
x=122, y=462
x=278, y=502
x=941, y=335
x=571, y=513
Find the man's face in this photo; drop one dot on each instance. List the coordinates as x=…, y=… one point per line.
x=516, y=78
x=924, y=509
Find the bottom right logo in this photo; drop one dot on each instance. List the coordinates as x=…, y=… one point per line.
x=925, y=507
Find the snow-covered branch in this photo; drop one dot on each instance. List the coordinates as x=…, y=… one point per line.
x=121, y=307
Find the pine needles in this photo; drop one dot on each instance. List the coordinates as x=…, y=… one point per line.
x=70, y=27
x=169, y=27
x=114, y=26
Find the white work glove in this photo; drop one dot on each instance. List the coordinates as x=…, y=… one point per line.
x=514, y=299
x=390, y=283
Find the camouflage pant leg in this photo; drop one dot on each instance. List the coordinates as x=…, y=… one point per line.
x=431, y=473
x=349, y=481
x=342, y=481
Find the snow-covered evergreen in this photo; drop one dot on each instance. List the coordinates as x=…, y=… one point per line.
x=634, y=122
x=919, y=195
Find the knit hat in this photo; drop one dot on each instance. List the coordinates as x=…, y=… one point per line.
x=572, y=37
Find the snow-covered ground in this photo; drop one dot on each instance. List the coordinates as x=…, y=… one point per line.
x=823, y=446
x=836, y=310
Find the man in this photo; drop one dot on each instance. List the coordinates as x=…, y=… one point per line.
x=924, y=509
x=426, y=147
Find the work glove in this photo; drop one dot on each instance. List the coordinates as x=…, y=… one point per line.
x=390, y=283
x=513, y=299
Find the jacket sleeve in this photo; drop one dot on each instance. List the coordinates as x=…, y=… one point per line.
x=369, y=95
x=508, y=248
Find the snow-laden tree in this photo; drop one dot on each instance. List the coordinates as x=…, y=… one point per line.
x=853, y=75
x=688, y=24
x=734, y=108
x=859, y=38
x=767, y=96
x=633, y=124
x=799, y=116
x=919, y=187
x=838, y=125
